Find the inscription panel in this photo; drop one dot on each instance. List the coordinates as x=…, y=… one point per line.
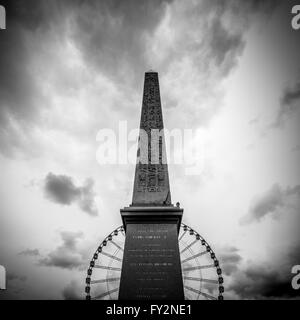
x=151, y=264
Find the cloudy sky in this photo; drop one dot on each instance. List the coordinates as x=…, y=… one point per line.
x=229, y=69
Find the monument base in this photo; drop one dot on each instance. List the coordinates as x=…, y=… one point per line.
x=151, y=267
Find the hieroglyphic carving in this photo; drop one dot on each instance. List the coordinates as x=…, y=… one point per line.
x=152, y=175
x=151, y=110
x=151, y=178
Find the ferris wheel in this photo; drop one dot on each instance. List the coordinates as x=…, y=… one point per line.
x=201, y=271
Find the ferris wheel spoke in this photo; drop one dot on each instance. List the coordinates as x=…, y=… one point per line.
x=115, y=244
x=206, y=295
x=103, y=295
x=210, y=281
x=106, y=267
x=189, y=246
x=105, y=280
x=182, y=235
x=202, y=280
x=194, y=256
x=111, y=256
x=199, y=267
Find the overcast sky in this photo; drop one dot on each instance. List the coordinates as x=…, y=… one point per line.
x=71, y=68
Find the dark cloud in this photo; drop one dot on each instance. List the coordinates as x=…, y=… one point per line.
x=73, y=291
x=87, y=201
x=108, y=34
x=265, y=5
x=291, y=95
x=15, y=277
x=15, y=284
x=290, y=103
x=270, y=202
x=30, y=253
x=111, y=35
x=259, y=281
x=209, y=38
x=21, y=99
x=33, y=26
x=67, y=255
x=62, y=190
x=230, y=259
x=224, y=44
x=113, y=38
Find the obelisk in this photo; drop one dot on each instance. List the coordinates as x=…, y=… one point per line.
x=151, y=268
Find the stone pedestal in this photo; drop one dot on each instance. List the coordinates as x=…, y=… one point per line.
x=151, y=267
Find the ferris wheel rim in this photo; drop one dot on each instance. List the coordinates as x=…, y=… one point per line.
x=186, y=229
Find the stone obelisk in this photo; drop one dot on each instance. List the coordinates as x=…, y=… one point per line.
x=151, y=267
